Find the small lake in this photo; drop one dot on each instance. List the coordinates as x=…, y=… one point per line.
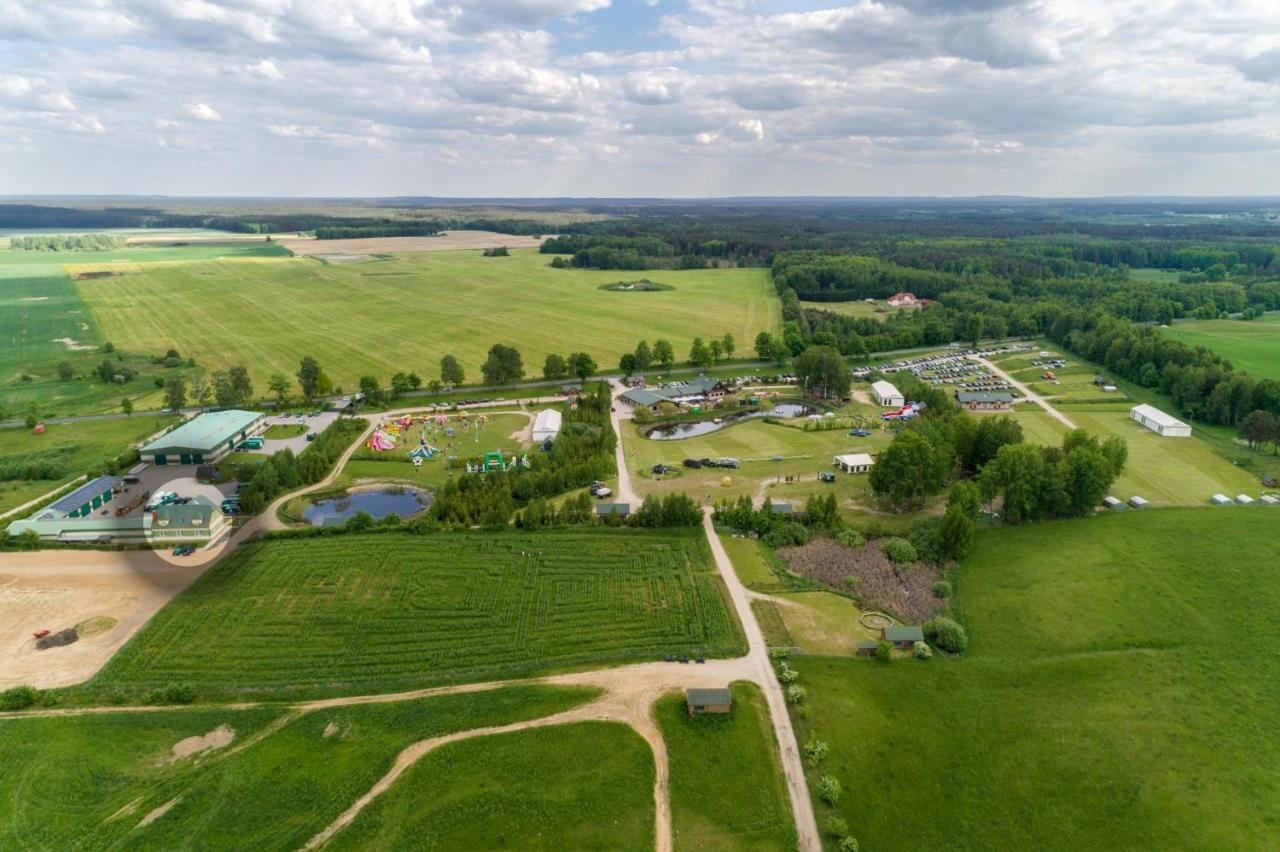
x=398, y=501
x=676, y=431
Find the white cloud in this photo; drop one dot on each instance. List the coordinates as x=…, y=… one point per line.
x=203, y=112
x=264, y=69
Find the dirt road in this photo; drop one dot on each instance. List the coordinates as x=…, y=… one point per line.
x=1031, y=395
x=625, y=492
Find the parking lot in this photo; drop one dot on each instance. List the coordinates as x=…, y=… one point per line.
x=316, y=424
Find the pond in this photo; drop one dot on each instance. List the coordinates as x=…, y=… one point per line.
x=676, y=431
x=380, y=503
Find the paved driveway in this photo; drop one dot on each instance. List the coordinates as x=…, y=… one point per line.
x=315, y=424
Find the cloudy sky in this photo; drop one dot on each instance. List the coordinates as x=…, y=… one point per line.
x=640, y=97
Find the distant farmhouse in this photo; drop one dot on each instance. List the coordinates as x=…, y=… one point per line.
x=699, y=390
x=1159, y=422
x=984, y=400
x=904, y=300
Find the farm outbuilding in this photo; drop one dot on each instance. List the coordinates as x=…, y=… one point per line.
x=702, y=701
x=1269, y=500
x=205, y=438
x=195, y=520
x=781, y=507
x=1244, y=499
x=993, y=400
x=1139, y=502
x=1220, y=500
x=84, y=500
x=1112, y=503
x=902, y=637
x=621, y=510
x=887, y=395
x=1157, y=421
x=546, y=426
x=867, y=647
x=854, y=462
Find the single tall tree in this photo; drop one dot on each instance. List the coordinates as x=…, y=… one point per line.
x=663, y=355
x=451, y=371
x=308, y=377
x=175, y=393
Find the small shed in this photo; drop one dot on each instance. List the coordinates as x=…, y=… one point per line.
x=1244, y=499
x=703, y=701
x=867, y=647
x=853, y=462
x=546, y=425
x=1112, y=503
x=1138, y=502
x=902, y=637
x=1220, y=500
x=781, y=507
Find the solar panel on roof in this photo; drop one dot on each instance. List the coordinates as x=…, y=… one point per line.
x=85, y=493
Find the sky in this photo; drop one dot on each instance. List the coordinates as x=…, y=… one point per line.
x=634, y=98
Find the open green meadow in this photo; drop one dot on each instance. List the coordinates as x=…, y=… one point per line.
x=77, y=447
x=1169, y=471
x=727, y=791
x=392, y=611
x=1252, y=346
x=43, y=322
x=822, y=623
x=86, y=782
x=584, y=786
x=751, y=562
x=1118, y=693
x=404, y=312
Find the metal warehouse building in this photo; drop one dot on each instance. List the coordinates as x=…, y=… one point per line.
x=1159, y=422
x=203, y=439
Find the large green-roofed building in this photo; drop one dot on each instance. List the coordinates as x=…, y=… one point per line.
x=204, y=438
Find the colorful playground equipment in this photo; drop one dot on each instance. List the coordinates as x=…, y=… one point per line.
x=494, y=461
x=906, y=412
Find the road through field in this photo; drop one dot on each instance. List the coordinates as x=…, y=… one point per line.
x=1031, y=395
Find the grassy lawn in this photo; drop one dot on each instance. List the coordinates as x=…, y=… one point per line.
x=1154, y=276
x=585, y=786
x=822, y=623
x=751, y=561
x=285, y=430
x=274, y=794
x=726, y=782
x=1170, y=471
x=369, y=613
x=1252, y=346
x=79, y=447
x=853, y=309
x=404, y=313
x=754, y=443
x=1099, y=706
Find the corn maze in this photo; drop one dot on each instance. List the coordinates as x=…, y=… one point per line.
x=391, y=611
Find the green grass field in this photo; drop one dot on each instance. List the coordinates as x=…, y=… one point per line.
x=585, y=786
x=852, y=309
x=367, y=613
x=1118, y=694
x=276, y=793
x=727, y=791
x=405, y=312
x=1168, y=471
x=81, y=446
x=1252, y=346
x=754, y=443
x=43, y=321
x=822, y=623
x=751, y=561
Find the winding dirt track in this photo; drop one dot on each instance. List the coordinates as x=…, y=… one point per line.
x=1031, y=395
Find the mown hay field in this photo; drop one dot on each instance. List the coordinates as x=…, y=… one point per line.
x=404, y=312
x=1118, y=693
x=86, y=782
x=392, y=611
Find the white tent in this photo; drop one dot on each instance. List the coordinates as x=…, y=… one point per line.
x=546, y=426
x=853, y=462
x=1159, y=422
x=1244, y=499
x=886, y=394
x=1220, y=500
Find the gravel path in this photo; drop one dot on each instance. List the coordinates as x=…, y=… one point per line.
x=1027, y=392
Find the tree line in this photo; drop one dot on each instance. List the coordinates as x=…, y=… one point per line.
x=66, y=242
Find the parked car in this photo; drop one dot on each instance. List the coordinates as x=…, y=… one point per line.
x=860, y=433
x=183, y=550
x=311, y=436
x=692, y=463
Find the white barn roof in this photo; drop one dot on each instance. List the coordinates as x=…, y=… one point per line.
x=884, y=390
x=1156, y=416
x=854, y=460
x=546, y=425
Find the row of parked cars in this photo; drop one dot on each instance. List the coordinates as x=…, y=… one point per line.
x=731, y=463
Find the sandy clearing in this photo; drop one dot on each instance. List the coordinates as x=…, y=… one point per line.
x=55, y=589
x=158, y=812
x=445, y=241
x=329, y=730
x=219, y=737
x=73, y=345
